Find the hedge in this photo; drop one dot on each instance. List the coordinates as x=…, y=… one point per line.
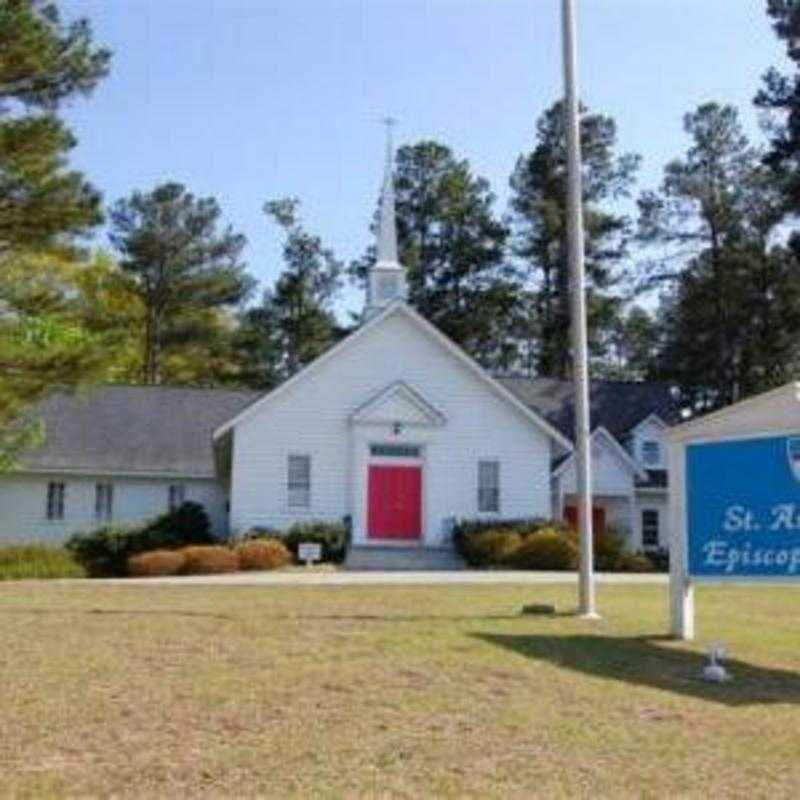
x=539, y=544
x=104, y=552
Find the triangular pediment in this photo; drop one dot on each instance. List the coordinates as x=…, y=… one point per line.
x=398, y=403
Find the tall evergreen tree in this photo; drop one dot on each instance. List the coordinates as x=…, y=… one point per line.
x=43, y=62
x=43, y=205
x=454, y=248
x=294, y=323
x=780, y=97
x=730, y=328
x=538, y=201
x=182, y=264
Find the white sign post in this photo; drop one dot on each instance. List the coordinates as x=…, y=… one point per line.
x=309, y=552
x=734, y=499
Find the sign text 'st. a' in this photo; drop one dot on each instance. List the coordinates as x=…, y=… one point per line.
x=743, y=508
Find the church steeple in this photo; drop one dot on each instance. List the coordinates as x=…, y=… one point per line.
x=387, y=276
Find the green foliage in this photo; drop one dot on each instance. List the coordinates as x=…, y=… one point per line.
x=331, y=535
x=491, y=547
x=610, y=552
x=43, y=61
x=104, y=552
x=188, y=523
x=540, y=544
x=295, y=322
x=538, y=186
x=453, y=246
x=37, y=561
x=477, y=552
x=547, y=549
x=730, y=328
x=779, y=97
x=483, y=542
x=180, y=263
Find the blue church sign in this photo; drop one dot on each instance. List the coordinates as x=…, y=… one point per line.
x=743, y=508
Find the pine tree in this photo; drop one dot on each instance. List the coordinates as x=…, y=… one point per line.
x=182, y=266
x=779, y=96
x=43, y=206
x=731, y=327
x=454, y=248
x=294, y=323
x=538, y=201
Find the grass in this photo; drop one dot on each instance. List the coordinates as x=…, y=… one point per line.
x=21, y=561
x=392, y=692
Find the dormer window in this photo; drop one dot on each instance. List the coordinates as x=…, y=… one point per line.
x=651, y=453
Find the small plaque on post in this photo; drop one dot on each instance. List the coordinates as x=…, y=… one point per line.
x=309, y=552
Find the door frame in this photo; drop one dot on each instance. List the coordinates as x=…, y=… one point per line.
x=391, y=461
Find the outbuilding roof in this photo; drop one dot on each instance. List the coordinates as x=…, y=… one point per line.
x=134, y=430
x=617, y=406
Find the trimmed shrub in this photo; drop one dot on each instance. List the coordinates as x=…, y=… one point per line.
x=259, y=532
x=263, y=554
x=547, y=549
x=490, y=547
x=635, y=562
x=187, y=524
x=37, y=561
x=156, y=562
x=331, y=535
x=659, y=559
x=467, y=531
x=104, y=552
x=208, y=560
x=609, y=551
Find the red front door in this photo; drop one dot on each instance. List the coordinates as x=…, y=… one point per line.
x=395, y=502
x=598, y=518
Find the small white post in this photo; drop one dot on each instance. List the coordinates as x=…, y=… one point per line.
x=681, y=590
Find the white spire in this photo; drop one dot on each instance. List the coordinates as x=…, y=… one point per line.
x=386, y=281
x=387, y=232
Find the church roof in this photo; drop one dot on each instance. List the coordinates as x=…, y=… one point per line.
x=134, y=430
x=617, y=406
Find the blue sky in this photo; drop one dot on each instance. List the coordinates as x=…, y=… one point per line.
x=248, y=100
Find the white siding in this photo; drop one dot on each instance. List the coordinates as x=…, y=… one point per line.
x=610, y=474
x=650, y=430
x=313, y=417
x=23, y=503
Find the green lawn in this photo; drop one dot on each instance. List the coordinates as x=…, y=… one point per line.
x=391, y=692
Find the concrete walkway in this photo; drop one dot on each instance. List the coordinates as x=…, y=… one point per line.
x=313, y=577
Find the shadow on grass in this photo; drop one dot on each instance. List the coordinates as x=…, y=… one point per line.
x=134, y=612
x=647, y=662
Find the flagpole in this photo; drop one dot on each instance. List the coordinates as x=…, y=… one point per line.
x=580, y=359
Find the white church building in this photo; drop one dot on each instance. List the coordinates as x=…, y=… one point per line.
x=395, y=430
